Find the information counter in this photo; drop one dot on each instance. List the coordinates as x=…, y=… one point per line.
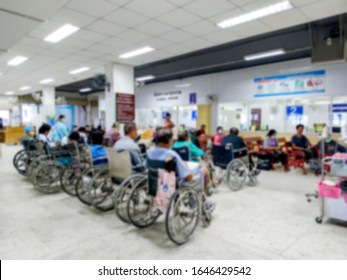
x=11, y=135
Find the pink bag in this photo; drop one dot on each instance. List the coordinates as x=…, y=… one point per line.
x=166, y=188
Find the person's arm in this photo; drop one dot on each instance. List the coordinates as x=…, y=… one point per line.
x=295, y=147
x=183, y=170
x=195, y=151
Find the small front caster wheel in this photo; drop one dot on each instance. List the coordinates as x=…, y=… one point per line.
x=319, y=220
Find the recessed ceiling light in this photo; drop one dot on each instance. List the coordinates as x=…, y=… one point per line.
x=264, y=12
x=79, y=70
x=85, y=89
x=9, y=93
x=264, y=54
x=182, y=85
x=145, y=78
x=17, y=60
x=24, y=88
x=136, y=52
x=61, y=33
x=46, y=81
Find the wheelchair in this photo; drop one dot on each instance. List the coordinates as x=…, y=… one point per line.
x=97, y=186
x=183, y=211
x=22, y=159
x=236, y=166
x=49, y=168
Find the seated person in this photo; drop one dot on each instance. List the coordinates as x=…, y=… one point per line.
x=237, y=143
x=302, y=144
x=331, y=147
x=44, y=131
x=162, y=152
x=271, y=144
x=128, y=143
x=217, y=139
x=84, y=135
x=113, y=134
x=28, y=136
x=183, y=141
x=201, y=131
x=98, y=152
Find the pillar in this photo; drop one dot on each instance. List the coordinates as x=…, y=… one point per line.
x=48, y=105
x=121, y=79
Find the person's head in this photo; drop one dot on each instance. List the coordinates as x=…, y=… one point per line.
x=61, y=118
x=165, y=138
x=272, y=133
x=182, y=136
x=45, y=129
x=88, y=127
x=130, y=130
x=29, y=130
x=115, y=126
x=74, y=136
x=234, y=131
x=82, y=130
x=203, y=127
x=220, y=130
x=96, y=137
x=300, y=128
x=168, y=116
x=99, y=127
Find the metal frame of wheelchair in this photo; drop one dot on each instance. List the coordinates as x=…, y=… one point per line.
x=236, y=171
x=186, y=207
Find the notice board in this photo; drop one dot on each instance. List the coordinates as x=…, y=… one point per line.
x=125, y=107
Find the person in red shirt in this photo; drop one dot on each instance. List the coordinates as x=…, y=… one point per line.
x=202, y=130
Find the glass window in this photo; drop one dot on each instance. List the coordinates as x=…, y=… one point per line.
x=233, y=115
x=339, y=113
x=187, y=116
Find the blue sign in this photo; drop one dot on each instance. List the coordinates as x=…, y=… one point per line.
x=295, y=111
x=192, y=98
x=194, y=115
x=164, y=115
x=340, y=108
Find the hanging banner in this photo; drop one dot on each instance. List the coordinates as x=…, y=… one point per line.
x=292, y=84
x=340, y=108
x=125, y=107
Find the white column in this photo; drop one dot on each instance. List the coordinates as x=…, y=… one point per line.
x=48, y=104
x=121, y=78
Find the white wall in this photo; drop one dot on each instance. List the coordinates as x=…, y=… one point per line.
x=239, y=86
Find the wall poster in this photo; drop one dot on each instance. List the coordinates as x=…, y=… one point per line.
x=125, y=107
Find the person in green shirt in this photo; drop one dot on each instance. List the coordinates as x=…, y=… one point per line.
x=183, y=141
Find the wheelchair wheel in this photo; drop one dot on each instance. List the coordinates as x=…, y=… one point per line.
x=141, y=211
x=237, y=173
x=183, y=215
x=252, y=180
x=47, y=177
x=101, y=191
x=82, y=187
x=20, y=162
x=68, y=179
x=122, y=195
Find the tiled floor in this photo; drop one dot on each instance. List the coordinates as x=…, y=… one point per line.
x=270, y=221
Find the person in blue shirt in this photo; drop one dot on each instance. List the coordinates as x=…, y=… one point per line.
x=183, y=141
x=60, y=129
x=302, y=144
x=162, y=152
x=98, y=152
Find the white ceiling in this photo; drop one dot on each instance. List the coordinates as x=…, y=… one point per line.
x=112, y=27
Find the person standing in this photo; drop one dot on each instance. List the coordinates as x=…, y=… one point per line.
x=168, y=123
x=60, y=129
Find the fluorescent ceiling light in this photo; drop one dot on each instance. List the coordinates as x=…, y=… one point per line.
x=9, y=93
x=257, y=14
x=79, y=70
x=17, y=60
x=0, y=74
x=145, y=78
x=61, y=33
x=136, y=52
x=264, y=54
x=46, y=81
x=182, y=85
x=24, y=88
x=85, y=89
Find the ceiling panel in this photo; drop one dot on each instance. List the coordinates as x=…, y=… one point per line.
x=179, y=18
x=284, y=20
x=250, y=29
x=154, y=28
x=208, y=8
x=94, y=8
x=91, y=36
x=126, y=18
x=69, y=16
x=177, y=36
x=150, y=8
x=198, y=43
x=181, y=2
x=133, y=36
x=106, y=27
x=201, y=28
x=23, y=27
x=324, y=8
x=221, y=37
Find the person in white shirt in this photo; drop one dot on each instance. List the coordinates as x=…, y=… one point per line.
x=44, y=131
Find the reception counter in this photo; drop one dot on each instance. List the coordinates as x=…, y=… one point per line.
x=11, y=135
